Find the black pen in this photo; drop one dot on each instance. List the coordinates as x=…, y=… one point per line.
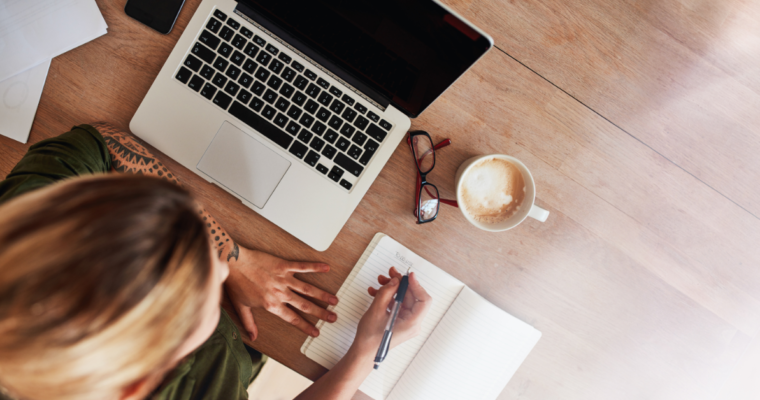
x=399, y=299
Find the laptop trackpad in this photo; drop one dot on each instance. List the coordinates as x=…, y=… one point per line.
x=243, y=165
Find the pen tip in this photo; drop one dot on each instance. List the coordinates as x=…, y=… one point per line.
x=376, y=365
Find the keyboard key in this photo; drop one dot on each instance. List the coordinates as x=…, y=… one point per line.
x=347, y=131
x=286, y=91
x=297, y=66
x=336, y=92
x=323, y=114
x=335, y=122
x=231, y=88
x=208, y=91
x=245, y=80
x=385, y=125
x=259, y=41
x=299, y=98
x=196, y=83
x=313, y=90
x=311, y=106
x=371, y=145
x=250, y=66
x=276, y=66
x=225, y=50
x=234, y=24
x=213, y=25
x=329, y=151
x=220, y=63
x=294, y=112
x=269, y=112
x=226, y=33
x=263, y=58
x=233, y=72
x=285, y=58
x=256, y=104
x=237, y=58
x=280, y=120
x=376, y=133
x=261, y=125
x=245, y=32
x=262, y=74
x=293, y=128
x=207, y=72
x=337, y=106
x=323, y=83
x=361, y=122
x=321, y=168
x=372, y=116
x=348, y=164
x=306, y=120
x=360, y=108
x=310, y=74
x=204, y=52
x=331, y=136
x=258, y=88
x=270, y=96
x=342, y=144
x=244, y=96
x=274, y=82
x=288, y=74
x=219, y=80
x=239, y=42
x=318, y=128
x=325, y=98
x=317, y=144
x=305, y=136
x=193, y=63
x=349, y=114
x=301, y=82
x=251, y=50
x=222, y=100
x=312, y=158
x=335, y=173
x=183, y=75
x=272, y=49
x=346, y=184
x=366, y=157
x=209, y=39
x=348, y=100
x=354, y=152
x=298, y=149
x=219, y=14
x=282, y=104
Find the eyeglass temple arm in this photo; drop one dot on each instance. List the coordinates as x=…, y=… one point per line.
x=443, y=144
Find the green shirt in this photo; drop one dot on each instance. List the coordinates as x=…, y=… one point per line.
x=223, y=367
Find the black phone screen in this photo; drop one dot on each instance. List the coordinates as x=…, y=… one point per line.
x=157, y=14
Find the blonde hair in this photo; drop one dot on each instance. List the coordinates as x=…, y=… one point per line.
x=100, y=282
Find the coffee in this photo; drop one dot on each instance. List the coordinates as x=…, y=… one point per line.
x=492, y=190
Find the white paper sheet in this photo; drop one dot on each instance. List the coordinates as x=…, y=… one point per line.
x=35, y=31
x=19, y=98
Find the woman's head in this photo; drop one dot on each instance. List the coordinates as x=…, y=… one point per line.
x=102, y=283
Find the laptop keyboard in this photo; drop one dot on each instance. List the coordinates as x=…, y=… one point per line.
x=291, y=105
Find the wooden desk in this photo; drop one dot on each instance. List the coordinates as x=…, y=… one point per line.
x=640, y=125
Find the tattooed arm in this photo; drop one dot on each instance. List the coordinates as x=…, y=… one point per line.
x=257, y=279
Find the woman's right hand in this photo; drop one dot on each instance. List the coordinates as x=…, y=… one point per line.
x=415, y=306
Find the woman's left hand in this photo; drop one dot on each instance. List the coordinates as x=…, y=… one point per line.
x=261, y=280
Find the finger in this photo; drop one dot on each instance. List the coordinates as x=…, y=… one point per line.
x=294, y=319
x=303, y=267
x=417, y=290
x=246, y=317
x=383, y=280
x=312, y=291
x=384, y=296
x=372, y=291
x=393, y=272
x=307, y=307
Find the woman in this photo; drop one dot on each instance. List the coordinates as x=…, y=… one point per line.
x=110, y=289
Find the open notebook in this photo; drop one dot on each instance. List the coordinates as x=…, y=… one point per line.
x=468, y=348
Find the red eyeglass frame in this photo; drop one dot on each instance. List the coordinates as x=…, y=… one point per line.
x=422, y=177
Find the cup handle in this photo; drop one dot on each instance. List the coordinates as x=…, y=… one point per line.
x=538, y=213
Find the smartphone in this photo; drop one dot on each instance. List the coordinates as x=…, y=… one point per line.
x=157, y=14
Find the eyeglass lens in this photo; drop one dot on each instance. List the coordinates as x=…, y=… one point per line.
x=428, y=202
x=423, y=153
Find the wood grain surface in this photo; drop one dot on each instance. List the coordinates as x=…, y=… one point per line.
x=639, y=121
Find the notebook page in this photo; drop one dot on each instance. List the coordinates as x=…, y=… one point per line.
x=335, y=339
x=472, y=354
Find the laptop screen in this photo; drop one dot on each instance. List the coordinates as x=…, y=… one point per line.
x=407, y=52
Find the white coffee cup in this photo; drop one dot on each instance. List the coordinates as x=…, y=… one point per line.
x=527, y=208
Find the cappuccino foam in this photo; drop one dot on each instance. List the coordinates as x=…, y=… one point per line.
x=492, y=190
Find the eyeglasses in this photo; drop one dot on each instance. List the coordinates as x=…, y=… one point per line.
x=427, y=200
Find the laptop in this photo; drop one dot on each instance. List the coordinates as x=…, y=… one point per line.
x=294, y=107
